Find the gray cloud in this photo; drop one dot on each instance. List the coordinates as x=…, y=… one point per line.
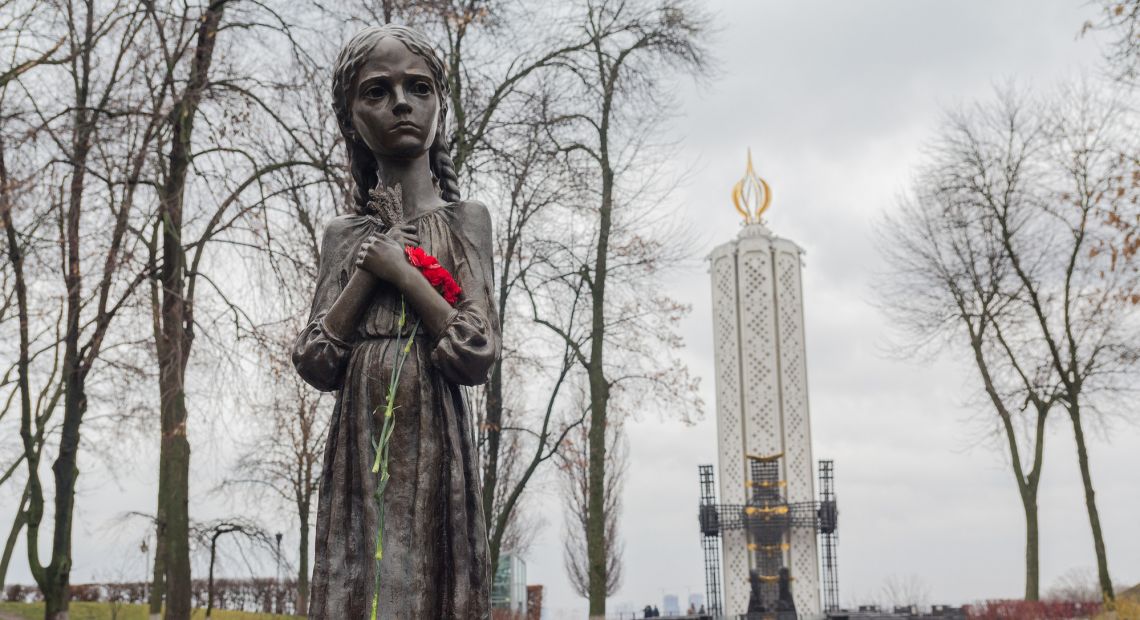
x=835, y=99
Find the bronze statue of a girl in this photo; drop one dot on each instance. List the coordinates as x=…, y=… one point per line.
x=390, y=97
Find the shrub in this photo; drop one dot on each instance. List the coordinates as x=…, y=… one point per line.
x=14, y=593
x=86, y=592
x=1031, y=610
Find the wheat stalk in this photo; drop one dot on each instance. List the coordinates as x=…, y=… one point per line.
x=388, y=204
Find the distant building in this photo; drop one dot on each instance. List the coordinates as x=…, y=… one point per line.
x=534, y=602
x=670, y=606
x=696, y=600
x=508, y=588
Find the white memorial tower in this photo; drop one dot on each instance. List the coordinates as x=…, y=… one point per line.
x=761, y=390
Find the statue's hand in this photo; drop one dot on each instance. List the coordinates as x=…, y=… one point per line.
x=383, y=257
x=404, y=235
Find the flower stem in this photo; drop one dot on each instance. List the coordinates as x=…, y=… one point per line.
x=381, y=444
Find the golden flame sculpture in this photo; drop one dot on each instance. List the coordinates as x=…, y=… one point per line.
x=751, y=194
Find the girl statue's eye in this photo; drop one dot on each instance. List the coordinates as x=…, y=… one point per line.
x=375, y=92
x=421, y=88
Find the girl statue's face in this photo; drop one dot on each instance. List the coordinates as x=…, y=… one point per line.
x=395, y=107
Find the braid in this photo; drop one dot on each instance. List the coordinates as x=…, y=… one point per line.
x=362, y=163
x=365, y=173
x=444, y=169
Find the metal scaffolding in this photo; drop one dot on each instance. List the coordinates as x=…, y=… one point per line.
x=829, y=535
x=768, y=518
x=710, y=543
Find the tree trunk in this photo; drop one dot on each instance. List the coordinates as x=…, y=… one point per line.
x=599, y=400
x=1032, y=546
x=1027, y=483
x=173, y=547
x=494, y=422
x=57, y=594
x=55, y=601
x=33, y=515
x=599, y=386
x=176, y=327
x=595, y=516
x=175, y=500
x=22, y=386
x=1106, y=592
x=31, y=503
x=158, y=579
x=303, y=565
x=65, y=470
x=210, y=578
x=13, y=535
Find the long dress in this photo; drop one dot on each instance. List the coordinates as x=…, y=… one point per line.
x=435, y=562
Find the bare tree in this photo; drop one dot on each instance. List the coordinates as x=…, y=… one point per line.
x=208, y=534
x=905, y=591
x=173, y=325
x=574, y=465
x=521, y=425
x=1121, y=18
x=227, y=193
x=1013, y=243
x=285, y=459
x=22, y=20
x=1085, y=299
x=22, y=23
x=951, y=284
x=607, y=130
x=1076, y=585
x=86, y=142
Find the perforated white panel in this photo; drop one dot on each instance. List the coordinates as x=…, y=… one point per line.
x=803, y=555
x=804, y=568
x=736, y=558
x=730, y=430
x=793, y=379
x=727, y=361
x=758, y=346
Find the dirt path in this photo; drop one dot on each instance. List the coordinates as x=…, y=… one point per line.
x=7, y=616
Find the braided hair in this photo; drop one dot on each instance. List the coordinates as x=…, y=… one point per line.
x=362, y=163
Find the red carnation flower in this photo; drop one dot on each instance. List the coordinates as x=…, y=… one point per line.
x=419, y=258
x=439, y=278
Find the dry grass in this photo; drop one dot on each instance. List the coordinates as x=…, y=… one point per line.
x=106, y=611
x=1127, y=606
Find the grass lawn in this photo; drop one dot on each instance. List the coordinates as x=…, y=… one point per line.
x=104, y=611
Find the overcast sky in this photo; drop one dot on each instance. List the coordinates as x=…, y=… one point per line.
x=835, y=99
